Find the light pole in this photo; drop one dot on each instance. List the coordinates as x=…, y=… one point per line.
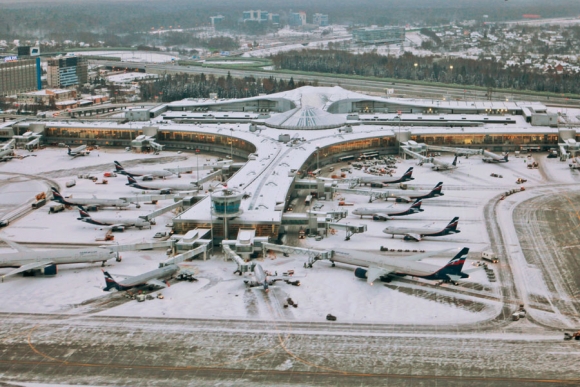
x=232, y=144
x=317, y=161
x=197, y=162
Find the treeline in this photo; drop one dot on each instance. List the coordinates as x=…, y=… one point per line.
x=461, y=71
x=179, y=86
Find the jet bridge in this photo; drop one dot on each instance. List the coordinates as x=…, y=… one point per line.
x=458, y=151
x=313, y=255
x=243, y=266
x=161, y=211
x=350, y=229
x=187, y=255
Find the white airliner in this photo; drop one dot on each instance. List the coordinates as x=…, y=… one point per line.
x=493, y=158
x=417, y=233
x=442, y=165
x=374, y=267
x=387, y=179
x=78, y=151
x=263, y=280
x=402, y=195
x=117, y=224
x=153, y=279
x=32, y=261
x=163, y=173
x=164, y=187
x=386, y=213
x=99, y=203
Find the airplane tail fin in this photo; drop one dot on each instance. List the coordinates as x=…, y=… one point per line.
x=416, y=207
x=69, y=150
x=118, y=166
x=408, y=175
x=505, y=157
x=131, y=180
x=455, y=265
x=57, y=197
x=436, y=191
x=454, y=163
x=452, y=226
x=83, y=213
x=110, y=282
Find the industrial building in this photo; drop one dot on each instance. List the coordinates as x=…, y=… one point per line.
x=283, y=136
x=255, y=16
x=67, y=71
x=18, y=76
x=216, y=20
x=384, y=35
x=46, y=96
x=320, y=19
x=297, y=19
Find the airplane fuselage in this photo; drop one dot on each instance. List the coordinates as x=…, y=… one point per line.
x=142, y=279
x=134, y=222
x=98, y=202
x=57, y=257
x=153, y=173
x=402, y=267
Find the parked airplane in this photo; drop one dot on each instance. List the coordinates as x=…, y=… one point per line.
x=385, y=268
x=387, y=213
x=33, y=261
x=262, y=279
x=78, y=151
x=493, y=158
x=151, y=278
x=142, y=172
x=117, y=224
x=443, y=166
x=400, y=195
x=387, y=179
x=99, y=203
x=163, y=187
x=417, y=233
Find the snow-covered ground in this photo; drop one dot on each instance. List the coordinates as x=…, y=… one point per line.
x=132, y=56
x=221, y=294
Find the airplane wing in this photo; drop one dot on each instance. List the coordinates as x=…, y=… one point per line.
x=374, y=273
x=418, y=257
x=30, y=266
x=16, y=246
x=156, y=283
x=414, y=236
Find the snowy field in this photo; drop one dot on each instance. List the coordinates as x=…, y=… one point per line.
x=132, y=56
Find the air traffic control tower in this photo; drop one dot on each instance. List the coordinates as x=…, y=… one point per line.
x=226, y=205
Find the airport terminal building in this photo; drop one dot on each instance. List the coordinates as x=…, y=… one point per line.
x=285, y=136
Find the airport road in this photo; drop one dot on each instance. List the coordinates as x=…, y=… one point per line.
x=547, y=228
x=153, y=352
x=400, y=88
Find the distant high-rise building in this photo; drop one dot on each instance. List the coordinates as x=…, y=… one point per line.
x=384, y=35
x=320, y=19
x=275, y=18
x=18, y=76
x=68, y=71
x=25, y=52
x=255, y=16
x=297, y=19
x=215, y=20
